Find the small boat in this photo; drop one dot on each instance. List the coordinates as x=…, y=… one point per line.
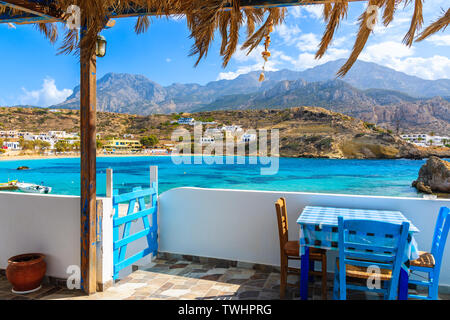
x=10, y=185
x=33, y=188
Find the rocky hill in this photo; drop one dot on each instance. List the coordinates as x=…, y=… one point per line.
x=389, y=109
x=371, y=92
x=304, y=131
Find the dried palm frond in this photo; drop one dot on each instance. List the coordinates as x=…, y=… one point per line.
x=416, y=23
x=275, y=17
x=389, y=10
x=49, y=30
x=361, y=38
x=70, y=43
x=142, y=24
x=236, y=21
x=338, y=12
x=327, y=11
x=436, y=26
x=253, y=16
x=205, y=17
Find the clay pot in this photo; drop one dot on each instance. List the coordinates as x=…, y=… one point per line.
x=26, y=271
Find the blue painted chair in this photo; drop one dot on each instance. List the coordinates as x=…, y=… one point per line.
x=361, y=253
x=430, y=262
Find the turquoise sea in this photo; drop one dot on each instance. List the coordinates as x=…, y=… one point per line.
x=361, y=177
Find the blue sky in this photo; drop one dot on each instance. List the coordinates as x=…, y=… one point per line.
x=32, y=73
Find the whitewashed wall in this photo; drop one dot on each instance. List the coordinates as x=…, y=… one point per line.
x=50, y=224
x=47, y=224
x=241, y=225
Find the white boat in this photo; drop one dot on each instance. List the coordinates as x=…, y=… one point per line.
x=33, y=188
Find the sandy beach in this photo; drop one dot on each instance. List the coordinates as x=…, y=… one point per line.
x=64, y=156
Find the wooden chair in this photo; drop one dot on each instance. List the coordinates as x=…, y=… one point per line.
x=430, y=262
x=359, y=250
x=290, y=250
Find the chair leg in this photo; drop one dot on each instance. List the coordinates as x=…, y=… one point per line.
x=434, y=288
x=311, y=268
x=336, y=284
x=283, y=276
x=342, y=284
x=324, y=278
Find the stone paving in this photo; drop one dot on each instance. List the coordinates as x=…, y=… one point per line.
x=183, y=279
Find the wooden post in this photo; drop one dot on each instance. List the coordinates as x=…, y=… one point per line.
x=88, y=103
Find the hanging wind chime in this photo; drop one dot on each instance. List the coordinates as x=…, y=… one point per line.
x=266, y=54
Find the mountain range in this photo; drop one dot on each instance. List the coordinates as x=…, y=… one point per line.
x=369, y=91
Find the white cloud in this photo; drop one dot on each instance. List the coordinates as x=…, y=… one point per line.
x=295, y=11
x=385, y=51
x=307, y=60
x=46, y=96
x=254, y=62
x=287, y=32
x=439, y=40
x=307, y=42
x=399, y=57
x=435, y=67
x=312, y=11
x=168, y=60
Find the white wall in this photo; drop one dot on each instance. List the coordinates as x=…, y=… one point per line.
x=242, y=225
x=47, y=224
x=50, y=224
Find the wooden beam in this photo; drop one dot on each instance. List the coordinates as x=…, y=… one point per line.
x=38, y=12
x=47, y=12
x=139, y=11
x=88, y=103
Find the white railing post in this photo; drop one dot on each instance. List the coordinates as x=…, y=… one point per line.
x=109, y=183
x=154, y=176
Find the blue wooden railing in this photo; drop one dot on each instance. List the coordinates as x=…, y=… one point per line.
x=150, y=231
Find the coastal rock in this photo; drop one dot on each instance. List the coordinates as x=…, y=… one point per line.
x=434, y=176
x=23, y=168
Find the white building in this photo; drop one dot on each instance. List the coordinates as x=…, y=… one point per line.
x=207, y=140
x=58, y=134
x=12, y=145
x=248, y=137
x=425, y=140
x=232, y=129
x=8, y=134
x=213, y=132
x=189, y=121
x=42, y=137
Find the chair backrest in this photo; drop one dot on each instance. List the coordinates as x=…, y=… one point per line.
x=280, y=208
x=369, y=243
x=440, y=234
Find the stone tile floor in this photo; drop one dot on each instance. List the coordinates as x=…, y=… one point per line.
x=181, y=279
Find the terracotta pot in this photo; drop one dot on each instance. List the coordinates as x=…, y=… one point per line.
x=26, y=271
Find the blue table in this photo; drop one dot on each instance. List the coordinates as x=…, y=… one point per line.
x=319, y=229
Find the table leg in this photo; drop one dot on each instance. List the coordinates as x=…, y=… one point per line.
x=403, y=285
x=304, y=274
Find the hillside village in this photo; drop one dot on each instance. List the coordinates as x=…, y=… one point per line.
x=304, y=132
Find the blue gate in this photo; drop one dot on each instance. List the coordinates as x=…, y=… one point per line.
x=150, y=230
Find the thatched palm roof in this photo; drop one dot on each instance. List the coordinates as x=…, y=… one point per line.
x=205, y=17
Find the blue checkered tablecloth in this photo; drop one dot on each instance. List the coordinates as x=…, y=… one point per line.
x=319, y=227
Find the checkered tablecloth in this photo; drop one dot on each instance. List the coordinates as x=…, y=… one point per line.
x=319, y=227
